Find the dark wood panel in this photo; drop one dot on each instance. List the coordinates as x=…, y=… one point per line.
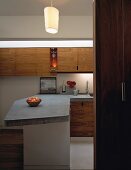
x=126, y=114
x=11, y=149
x=109, y=75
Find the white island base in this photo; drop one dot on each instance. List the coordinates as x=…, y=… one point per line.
x=47, y=146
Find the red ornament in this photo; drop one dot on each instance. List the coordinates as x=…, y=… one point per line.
x=71, y=84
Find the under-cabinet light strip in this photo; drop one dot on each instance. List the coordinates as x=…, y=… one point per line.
x=62, y=43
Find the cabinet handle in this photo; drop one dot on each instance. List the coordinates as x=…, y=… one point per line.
x=77, y=67
x=123, y=91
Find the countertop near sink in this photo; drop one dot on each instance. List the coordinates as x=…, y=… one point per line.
x=53, y=108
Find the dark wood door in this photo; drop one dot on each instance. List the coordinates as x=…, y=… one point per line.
x=109, y=78
x=126, y=114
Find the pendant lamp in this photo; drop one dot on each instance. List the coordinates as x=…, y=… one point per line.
x=51, y=15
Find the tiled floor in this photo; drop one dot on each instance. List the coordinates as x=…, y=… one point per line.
x=81, y=153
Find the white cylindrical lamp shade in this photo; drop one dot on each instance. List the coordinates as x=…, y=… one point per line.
x=51, y=15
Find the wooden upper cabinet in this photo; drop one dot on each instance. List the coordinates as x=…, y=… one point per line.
x=75, y=59
x=43, y=61
x=7, y=61
x=32, y=61
x=67, y=59
x=85, y=59
x=36, y=61
x=26, y=61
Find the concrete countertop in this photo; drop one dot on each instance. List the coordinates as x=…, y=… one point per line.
x=51, y=107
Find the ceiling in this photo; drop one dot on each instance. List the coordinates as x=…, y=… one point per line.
x=35, y=7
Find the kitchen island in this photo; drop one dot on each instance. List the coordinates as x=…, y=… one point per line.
x=53, y=108
x=46, y=130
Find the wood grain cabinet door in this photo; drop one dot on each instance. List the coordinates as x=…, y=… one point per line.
x=82, y=119
x=89, y=118
x=67, y=59
x=43, y=61
x=85, y=59
x=32, y=61
x=26, y=61
x=7, y=62
x=11, y=149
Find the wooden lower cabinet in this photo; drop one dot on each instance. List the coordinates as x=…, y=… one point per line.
x=11, y=149
x=81, y=119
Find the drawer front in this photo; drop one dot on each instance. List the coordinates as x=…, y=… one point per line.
x=81, y=118
x=81, y=131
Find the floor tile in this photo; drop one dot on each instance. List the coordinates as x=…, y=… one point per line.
x=81, y=153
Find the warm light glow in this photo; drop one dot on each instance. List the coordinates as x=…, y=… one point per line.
x=51, y=15
x=54, y=65
x=53, y=59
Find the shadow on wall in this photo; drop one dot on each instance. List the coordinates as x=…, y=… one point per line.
x=12, y=88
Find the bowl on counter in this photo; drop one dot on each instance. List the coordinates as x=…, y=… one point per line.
x=33, y=101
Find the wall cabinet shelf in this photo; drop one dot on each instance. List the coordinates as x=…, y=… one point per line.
x=82, y=119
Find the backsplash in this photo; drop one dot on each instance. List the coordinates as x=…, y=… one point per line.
x=84, y=81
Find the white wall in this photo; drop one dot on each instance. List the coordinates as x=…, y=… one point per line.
x=33, y=27
x=13, y=88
